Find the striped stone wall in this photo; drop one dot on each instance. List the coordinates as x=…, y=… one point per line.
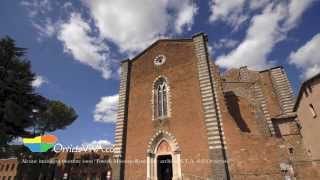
x=283, y=89
x=122, y=111
x=243, y=73
x=262, y=101
x=212, y=114
x=219, y=96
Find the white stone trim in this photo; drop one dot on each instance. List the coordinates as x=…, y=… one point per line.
x=263, y=105
x=121, y=119
x=208, y=92
x=168, y=97
x=159, y=56
x=283, y=89
x=152, y=155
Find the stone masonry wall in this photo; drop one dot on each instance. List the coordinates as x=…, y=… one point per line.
x=252, y=153
x=186, y=121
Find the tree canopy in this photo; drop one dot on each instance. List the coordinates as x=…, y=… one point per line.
x=24, y=112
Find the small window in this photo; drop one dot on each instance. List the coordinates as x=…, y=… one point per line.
x=290, y=150
x=7, y=167
x=161, y=101
x=12, y=167
x=313, y=112
x=9, y=178
x=306, y=93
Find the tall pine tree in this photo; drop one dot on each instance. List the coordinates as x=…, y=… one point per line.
x=21, y=108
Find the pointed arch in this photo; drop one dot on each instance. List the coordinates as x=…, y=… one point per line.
x=161, y=135
x=160, y=98
x=173, y=150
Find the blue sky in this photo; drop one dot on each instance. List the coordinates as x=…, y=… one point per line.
x=75, y=46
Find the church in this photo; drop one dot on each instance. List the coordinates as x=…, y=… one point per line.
x=179, y=117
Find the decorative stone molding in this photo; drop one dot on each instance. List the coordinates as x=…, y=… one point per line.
x=243, y=73
x=283, y=89
x=152, y=154
x=262, y=101
x=161, y=134
x=122, y=111
x=168, y=97
x=159, y=60
x=211, y=107
x=218, y=92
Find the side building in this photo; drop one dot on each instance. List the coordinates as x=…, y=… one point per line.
x=308, y=109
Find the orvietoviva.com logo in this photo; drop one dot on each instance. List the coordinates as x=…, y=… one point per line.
x=40, y=143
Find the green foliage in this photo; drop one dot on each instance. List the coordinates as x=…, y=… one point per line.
x=21, y=108
x=15, y=89
x=50, y=119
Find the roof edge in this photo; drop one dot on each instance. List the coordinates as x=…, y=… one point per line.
x=302, y=87
x=154, y=43
x=276, y=67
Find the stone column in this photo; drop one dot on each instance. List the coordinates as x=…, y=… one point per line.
x=211, y=108
x=121, y=123
x=179, y=175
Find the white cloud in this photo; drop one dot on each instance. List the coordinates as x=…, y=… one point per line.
x=47, y=29
x=307, y=57
x=37, y=7
x=134, y=25
x=230, y=11
x=67, y=5
x=185, y=15
x=39, y=81
x=295, y=11
x=234, y=12
x=261, y=37
x=98, y=143
x=75, y=35
x=106, y=109
x=130, y=26
x=37, y=11
x=225, y=43
x=257, y=4
x=265, y=31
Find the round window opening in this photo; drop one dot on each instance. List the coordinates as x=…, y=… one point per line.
x=159, y=60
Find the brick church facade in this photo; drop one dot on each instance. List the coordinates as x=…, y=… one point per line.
x=176, y=107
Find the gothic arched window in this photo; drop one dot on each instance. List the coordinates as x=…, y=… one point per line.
x=161, y=98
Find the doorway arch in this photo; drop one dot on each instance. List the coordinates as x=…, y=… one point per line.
x=163, y=145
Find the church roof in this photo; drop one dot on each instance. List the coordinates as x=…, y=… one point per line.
x=154, y=44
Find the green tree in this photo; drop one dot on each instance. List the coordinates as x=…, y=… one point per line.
x=50, y=119
x=21, y=108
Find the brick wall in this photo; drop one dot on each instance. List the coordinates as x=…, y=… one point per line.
x=249, y=105
x=8, y=168
x=310, y=124
x=186, y=122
